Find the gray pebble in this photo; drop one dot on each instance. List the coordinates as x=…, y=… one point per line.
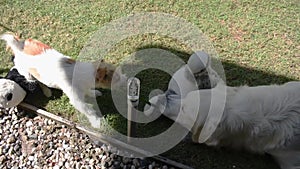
x=126, y=160
x=164, y=167
x=17, y=147
x=2, y=121
x=117, y=163
x=29, y=124
x=56, y=167
x=136, y=162
x=32, y=136
x=2, y=159
x=31, y=158
x=11, y=139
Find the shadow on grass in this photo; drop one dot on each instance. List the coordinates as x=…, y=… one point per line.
x=4, y=71
x=196, y=155
x=39, y=100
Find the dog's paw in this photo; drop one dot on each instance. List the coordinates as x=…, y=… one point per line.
x=98, y=93
x=94, y=93
x=95, y=121
x=91, y=115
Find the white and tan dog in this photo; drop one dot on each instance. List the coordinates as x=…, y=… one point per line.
x=76, y=79
x=263, y=119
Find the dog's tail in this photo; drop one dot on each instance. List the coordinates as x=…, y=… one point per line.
x=12, y=42
x=28, y=47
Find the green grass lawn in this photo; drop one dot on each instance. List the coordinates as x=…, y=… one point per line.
x=258, y=43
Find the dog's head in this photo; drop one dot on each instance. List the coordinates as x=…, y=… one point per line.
x=11, y=94
x=108, y=76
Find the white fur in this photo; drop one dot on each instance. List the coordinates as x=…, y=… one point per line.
x=77, y=80
x=259, y=119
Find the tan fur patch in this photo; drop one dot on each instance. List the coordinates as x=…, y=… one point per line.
x=100, y=74
x=104, y=73
x=34, y=73
x=34, y=47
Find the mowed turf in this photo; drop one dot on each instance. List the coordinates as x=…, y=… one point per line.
x=258, y=43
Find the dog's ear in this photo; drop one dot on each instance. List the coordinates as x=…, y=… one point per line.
x=34, y=73
x=100, y=74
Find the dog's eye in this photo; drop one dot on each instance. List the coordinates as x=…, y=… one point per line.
x=9, y=96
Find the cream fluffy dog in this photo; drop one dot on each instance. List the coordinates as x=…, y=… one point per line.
x=260, y=119
x=77, y=79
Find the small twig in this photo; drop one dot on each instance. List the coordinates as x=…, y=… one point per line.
x=7, y=28
x=17, y=34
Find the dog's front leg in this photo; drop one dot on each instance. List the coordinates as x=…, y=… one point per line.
x=77, y=99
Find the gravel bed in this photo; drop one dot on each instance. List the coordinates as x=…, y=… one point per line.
x=28, y=141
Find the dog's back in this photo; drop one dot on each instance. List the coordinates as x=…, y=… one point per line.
x=256, y=118
x=260, y=119
x=268, y=116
